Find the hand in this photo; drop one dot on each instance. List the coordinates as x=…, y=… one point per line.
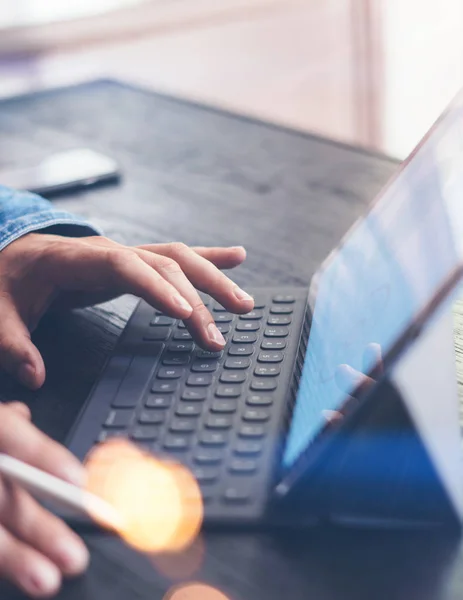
x=39, y=270
x=36, y=548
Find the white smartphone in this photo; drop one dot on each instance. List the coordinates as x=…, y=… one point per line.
x=64, y=172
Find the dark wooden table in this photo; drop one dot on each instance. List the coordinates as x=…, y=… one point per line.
x=205, y=177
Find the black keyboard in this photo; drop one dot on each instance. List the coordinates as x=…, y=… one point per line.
x=220, y=413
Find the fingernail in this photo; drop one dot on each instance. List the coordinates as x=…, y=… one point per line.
x=73, y=556
x=27, y=374
x=215, y=335
x=241, y=294
x=184, y=305
x=44, y=579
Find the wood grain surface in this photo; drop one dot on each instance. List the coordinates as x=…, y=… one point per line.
x=207, y=177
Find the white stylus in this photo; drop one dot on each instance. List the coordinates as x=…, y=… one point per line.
x=48, y=488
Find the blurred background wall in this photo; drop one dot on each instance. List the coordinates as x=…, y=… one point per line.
x=369, y=72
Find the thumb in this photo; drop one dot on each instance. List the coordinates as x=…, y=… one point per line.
x=18, y=355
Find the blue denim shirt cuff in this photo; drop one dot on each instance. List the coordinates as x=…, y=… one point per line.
x=23, y=212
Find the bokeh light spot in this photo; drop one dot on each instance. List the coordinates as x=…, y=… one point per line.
x=195, y=591
x=159, y=501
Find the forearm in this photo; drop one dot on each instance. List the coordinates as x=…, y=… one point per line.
x=23, y=212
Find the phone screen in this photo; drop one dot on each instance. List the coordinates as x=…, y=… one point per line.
x=64, y=171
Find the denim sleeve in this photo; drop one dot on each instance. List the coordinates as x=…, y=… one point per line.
x=23, y=212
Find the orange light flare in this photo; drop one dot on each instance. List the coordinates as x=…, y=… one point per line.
x=195, y=591
x=159, y=501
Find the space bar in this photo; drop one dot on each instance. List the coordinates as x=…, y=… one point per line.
x=136, y=378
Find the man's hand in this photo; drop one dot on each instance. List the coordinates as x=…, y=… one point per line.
x=36, y=548
x=39, y=270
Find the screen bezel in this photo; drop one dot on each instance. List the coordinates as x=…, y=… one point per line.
x=287, y=476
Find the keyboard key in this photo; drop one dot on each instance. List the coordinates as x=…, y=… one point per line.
x=156, y=401
x=228, y=391
x=181, y=325
x=213, y=438
x=252, y=431
x=109, y=434
x=284, y=299
x=273, y=345
x=236, y=495
x=270, y=371
x=161, y=321
x=237, y=363
x=223, y=318
x=199, y=380
x=205, y=475
x=224, y=406
x=194, y=395
x=244, y=338
x=248, y=447
x=243, y=465
x=259, y=303
x=183, y=334
x=141, y=433
x=256, y=415
x=281, y=309
x=240, y=350
x=158, y=334
x=233, y=377
x=224, y=328
x=164, y=387
x=259, y=400
x=270, y=357
x=175, y=359
x=279, y=320
x=219, y=422
x=189, y=410
x=183, y=425
x=118, y=419
x=263, y=385
x=276, y=332
x=176, y=442
x=204, y=366
x=254, y=315
x=248, y=326
x=184, y=346
x=207, y=354
x=151, y=417
x=170, y=373
x=204, y=456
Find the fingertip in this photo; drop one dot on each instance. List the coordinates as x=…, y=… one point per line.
x=73, y=556
x=42, y=580
x=239, y=252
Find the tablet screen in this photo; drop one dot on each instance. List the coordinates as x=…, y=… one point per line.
x=387, y=268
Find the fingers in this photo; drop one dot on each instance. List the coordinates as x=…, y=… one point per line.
x=206, y=276
x=97, y=267
x=223, y=258
x=22, y=409
x=36, y=527
x=26, y=568
x=21, y=439
x=18, y=355
x=186, y=270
